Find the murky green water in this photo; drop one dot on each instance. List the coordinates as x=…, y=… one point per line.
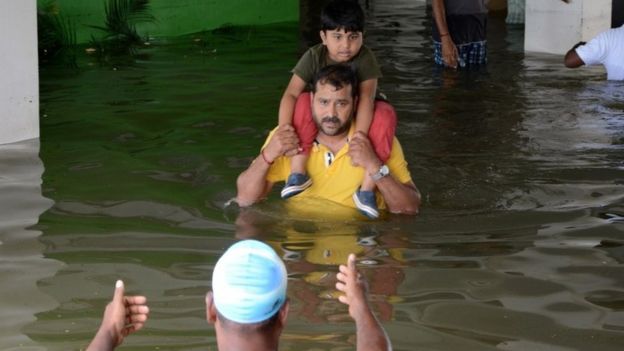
x=519, y=245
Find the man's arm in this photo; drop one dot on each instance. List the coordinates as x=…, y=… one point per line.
x=572, y=59
x=399, y=197
x=252, y=185
x=123, y=315
x=449, y=50
x=369, y=332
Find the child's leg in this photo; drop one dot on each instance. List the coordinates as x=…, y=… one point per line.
x=382, y=130
x=381, y=134
x=306, y=130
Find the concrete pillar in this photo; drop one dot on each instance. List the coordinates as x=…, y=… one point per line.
x=19, y=82
x=552, y=26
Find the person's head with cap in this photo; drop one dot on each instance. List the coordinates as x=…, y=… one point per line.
x=248, y=294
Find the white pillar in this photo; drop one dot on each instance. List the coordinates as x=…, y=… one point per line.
x=552, y=26
x=19, y=80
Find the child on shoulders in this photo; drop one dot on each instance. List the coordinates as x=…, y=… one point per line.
x=342, y=35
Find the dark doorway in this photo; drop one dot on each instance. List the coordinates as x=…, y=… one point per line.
x=617, y=14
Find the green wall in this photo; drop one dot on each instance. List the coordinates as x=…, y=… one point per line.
x=176, y=17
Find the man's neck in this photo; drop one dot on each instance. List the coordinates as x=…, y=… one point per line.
x=333, y=142
x=248, y=342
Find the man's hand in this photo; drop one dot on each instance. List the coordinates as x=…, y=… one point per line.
x=351, y=283
x=362, y=153
x=450, y=54
x=572, y=59
x=283, y=143
x=123, y=315
x=370, y=334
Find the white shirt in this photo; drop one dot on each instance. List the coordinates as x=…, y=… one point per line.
x=607, y=48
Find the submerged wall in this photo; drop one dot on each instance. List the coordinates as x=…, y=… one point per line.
x=19, y=85
x=184, y=16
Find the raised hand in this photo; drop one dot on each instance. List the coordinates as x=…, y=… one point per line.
x=370, y=334
x=123, y=315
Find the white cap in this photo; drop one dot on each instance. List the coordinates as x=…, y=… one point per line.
x=249, y=282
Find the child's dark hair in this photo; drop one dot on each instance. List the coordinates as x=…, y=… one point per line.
x=343, y=14
x=338, y=76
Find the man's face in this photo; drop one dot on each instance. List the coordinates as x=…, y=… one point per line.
x=342, y=46
x=332, y=109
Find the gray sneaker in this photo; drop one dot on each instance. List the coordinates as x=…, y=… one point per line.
x=366, y=202
x=295, y=184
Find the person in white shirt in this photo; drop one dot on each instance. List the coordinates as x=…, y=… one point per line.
x=607, y=49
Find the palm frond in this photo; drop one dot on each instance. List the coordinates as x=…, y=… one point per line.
x=122, y=17
x=55, y=32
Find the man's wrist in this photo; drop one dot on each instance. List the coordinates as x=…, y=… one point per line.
x=363, y=314
x=381, y=172
x=446, y=39
x=374, y=167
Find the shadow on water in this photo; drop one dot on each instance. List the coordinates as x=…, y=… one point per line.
x=519, y=244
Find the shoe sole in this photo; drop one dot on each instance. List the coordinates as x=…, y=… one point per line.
x=295, y=189
x=365, y=209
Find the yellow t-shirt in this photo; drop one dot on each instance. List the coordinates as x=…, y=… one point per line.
x=334, y=178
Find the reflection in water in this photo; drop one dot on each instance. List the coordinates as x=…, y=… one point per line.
x=312, y=249
x=22, y=264
x=519, y=244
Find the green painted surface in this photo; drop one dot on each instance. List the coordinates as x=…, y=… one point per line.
x=184, y=16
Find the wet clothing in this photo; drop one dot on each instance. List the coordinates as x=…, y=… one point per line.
x=383, y=125
x=607, y=48
x=380, y=133
x=470, y=54
x=467, y=25
x=334, y=178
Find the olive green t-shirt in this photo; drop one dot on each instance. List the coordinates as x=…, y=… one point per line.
x=316, y=57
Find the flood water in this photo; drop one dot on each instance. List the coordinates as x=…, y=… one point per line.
x=519, y=245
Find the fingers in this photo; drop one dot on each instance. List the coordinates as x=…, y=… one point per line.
x=118, y=295
x=351, y=262
x=358, y=138
x=287, y=140
x=131, y=328
x=136, y=308
x=137, y=318
x=291, y=152
x=136, y=300
x=287, y=127
x=140, y=309
x=136, y=313
x=359, y=135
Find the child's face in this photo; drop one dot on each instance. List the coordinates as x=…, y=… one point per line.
x=342, y=46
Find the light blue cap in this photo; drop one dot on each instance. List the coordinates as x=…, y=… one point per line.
x=249, y=282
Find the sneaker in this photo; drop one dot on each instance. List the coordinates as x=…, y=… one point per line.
x=366, y=202
x=296, y=183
